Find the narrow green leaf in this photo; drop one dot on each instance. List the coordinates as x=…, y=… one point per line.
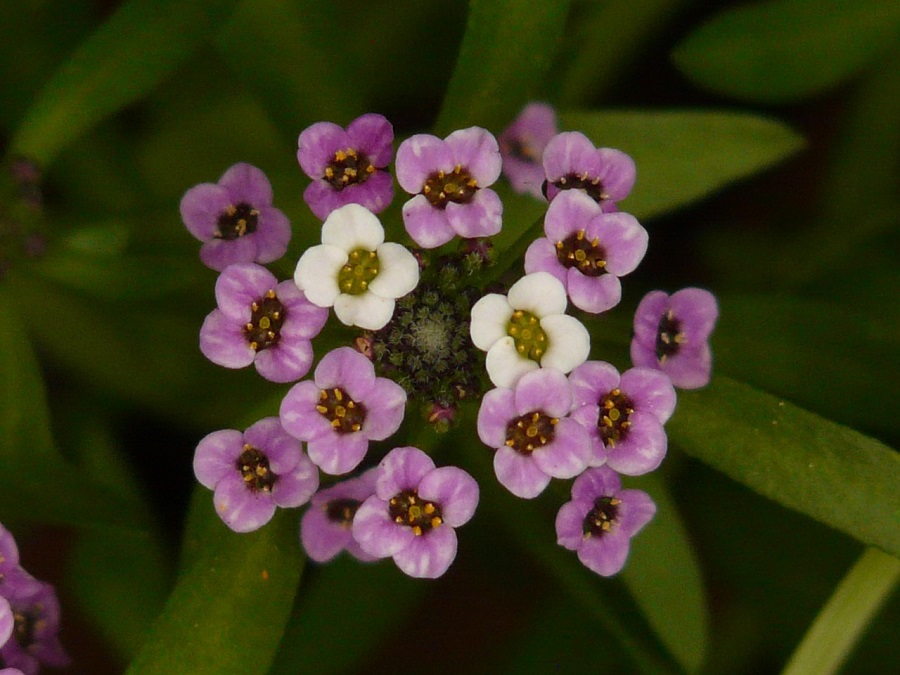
x=807, y=463
x=506, y=53
x=685, y=155
x=124, y=59
x=784, y=50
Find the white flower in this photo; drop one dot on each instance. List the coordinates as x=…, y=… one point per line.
x=355, y=271
x=528, y=329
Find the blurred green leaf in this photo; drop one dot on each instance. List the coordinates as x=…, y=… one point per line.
x=507, y=51
x=803, y=461
x=124, y=59
x=784, y=50
x=684, y=155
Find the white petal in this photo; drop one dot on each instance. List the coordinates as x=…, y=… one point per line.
x=539, y=293
x=490, y=315
x=568, y=342
x=317, y=273
x=505, y=365
x=352, y=227
x=398, y=271
x=366, y=310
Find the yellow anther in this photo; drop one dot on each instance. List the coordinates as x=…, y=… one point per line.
x=370, y=169
x=276, y=315
x=339, y=395
x=254, y=306
x=321, y=409
x=429, y=508
x=436, y=521
x=271, y=334
x=329, y=172
x=336, y=423
x=398, y=519
x=351, y=404
x=270, y=294
x=554, y=420
x=340, y=156
x=615, y=502
x=254, y=346
x=595, y=241
x=559, y=245
x=417, y=530
x=579, y=235
x=323, y=394
x=510, y=442
x=355, y=427
x=248, y=326
x=520, y=349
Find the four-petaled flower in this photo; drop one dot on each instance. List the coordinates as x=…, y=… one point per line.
x=254, y=472
x=522, y=145
x=413, y=513
x=235, y=219
x=347, y=167
x=342, y=409
x=601, y=519
x=671, y=333
x=263, y=322
x=571, y=162
x=450, y=180
x=587, y=250
x=355, y=271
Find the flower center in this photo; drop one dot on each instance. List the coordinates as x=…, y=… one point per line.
x=341, y=511
x=359, y=271
x=236, y=221
x=254, y=467
x=531, y=340
x=26, y=624
x=407, y=508
x=600, y=519
x=669, y=336
x=345, y=414
x=457, y=186
x=348, y=168
x=518, y=148
x=591, y=186
x=264, y=327
x=615, y=409
x=587, y=256
x=529, y=432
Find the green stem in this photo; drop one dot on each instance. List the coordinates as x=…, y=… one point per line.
x=840, y=624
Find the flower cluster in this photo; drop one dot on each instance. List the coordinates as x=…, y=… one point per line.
x=29, y=617
x=429, y=337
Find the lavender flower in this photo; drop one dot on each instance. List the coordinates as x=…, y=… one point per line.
x=522, y=144
x=355, y=271
x=623, y=415
x=450, y=180
x=347, y=167
x=235, y=219
x=414, y=511
x=325, y=528
x=534, y=437
x=572, y=162
x=528, y=329
x=601, y=519
x=7, y=621
x=344, y=408
x=253, y=472
x=671, y=333
x=262, y=322
x=34, y=640
x=9, y=560
x=587, y=250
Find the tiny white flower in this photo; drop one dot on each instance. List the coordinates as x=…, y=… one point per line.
x=528, y=329
x=355, y=271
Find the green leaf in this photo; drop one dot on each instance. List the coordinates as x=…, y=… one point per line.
x=803, y=461
x=229, y=608
x=685, y=155
x=782, y=51
x=507, y=51
x=124, y=59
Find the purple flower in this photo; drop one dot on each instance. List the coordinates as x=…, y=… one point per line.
x=9, y=559
x=235, y=219
x=623, y=415
x=325, y=528
x=347, y=167
x=253, y=472
x=534, y=437
x=342, y=409
x=262, y=322
x=671, y=333
x=34, y=640
x=522, y=144
x=587, y=250
x=572, y=162
x=413, y=512
x=450, y=179
x=7, y=621
x=601, y=519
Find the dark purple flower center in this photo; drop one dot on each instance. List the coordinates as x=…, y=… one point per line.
x=529, y=432
x=236, y=221
x=669, y=336
x=407, y=508
x=588, y=257
x=591, y=186
x=348, y=167
x=600, y=519
x=457, y=186
x=26, y=624
x=615, y=409
x=518, y=148
x=345, y=414
x=254, y=467
x=342, y=511
x=264, y=327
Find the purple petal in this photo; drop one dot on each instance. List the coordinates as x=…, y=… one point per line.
x=697, y=310
x=427, y=225
x=201, y=207
x=245, y=183
x=642, y=449
x=617, y=173
x=302, y=319
x=376, y=193
x=568, y=152
x=588, y=416
x=519, y=474
x=376, y=533
x=643, y=355
x=570, y=524
x=402, y=469
x=593, y=380
x=216, y=455
x=650, y=391
x=239, y=286
x=570, y=212
x=593, y=294
x=525, y=177
x=372, y=134
x=316, y=146
x=217, y=254
x=604, y=555
x=568, y=454
x=282, y=450
x=477, y=151
x=240, y=508
x=338, y=453
x=295, y=488
x=690, y=368
x=481, y=217
x=287, y=361
x=347, y=369
x=428, y=556
x=454, y=490
x=385, y=405
x=541, y=257
x=647, y=316
x=322, y=199
x=497, y=410
x=298, y=412
x=596, y=482
x=420, y=156
x=635, y=511
x=222, y=341
x=545, y=390
x=7, y=621
x=322, y=538
x=623, y=239
x=273, y=234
